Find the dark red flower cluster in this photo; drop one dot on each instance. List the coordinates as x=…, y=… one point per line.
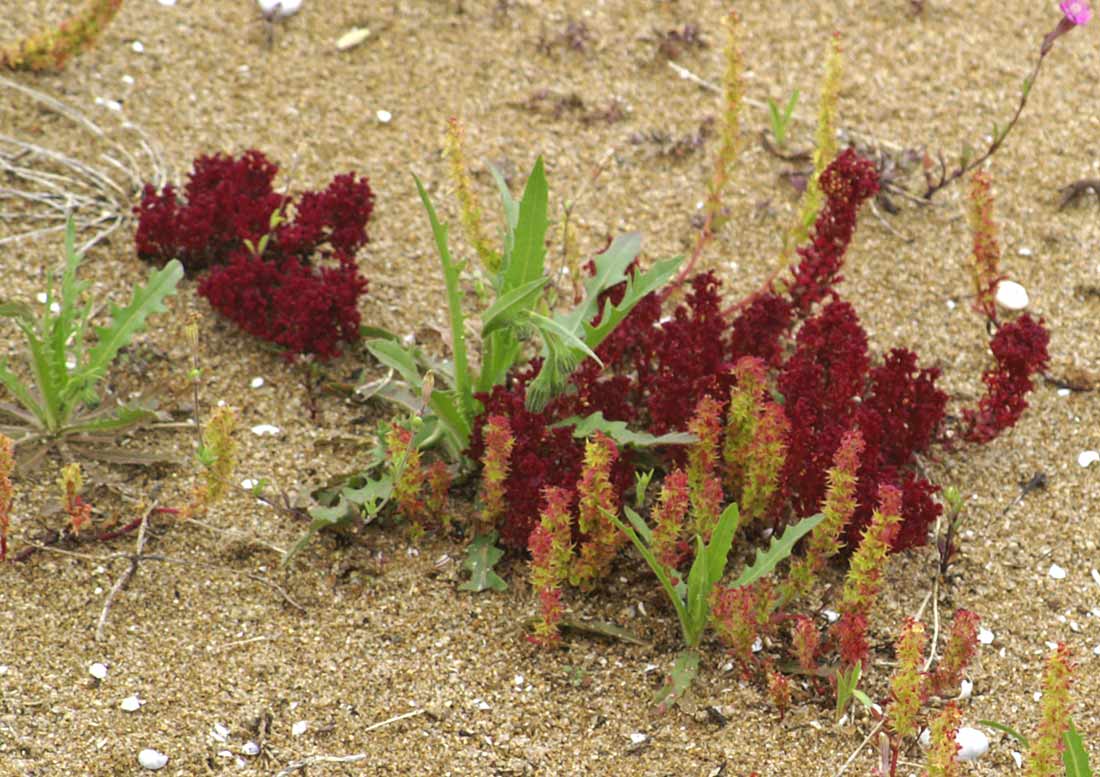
x=1020, y=349
x=301, y=291
x=656, y=371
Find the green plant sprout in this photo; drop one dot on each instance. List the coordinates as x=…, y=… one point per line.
x=518, y=311
x=60, y=404
x=691, y=598
x=780, y=118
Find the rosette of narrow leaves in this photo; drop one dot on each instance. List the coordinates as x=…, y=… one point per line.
x=67, y=357
x=943, y=758
x=551, y=554
x=517, y=313
x=908, y=684
x=495, y=464
x=596, y=499
x=1045, y=754
x=962, y=644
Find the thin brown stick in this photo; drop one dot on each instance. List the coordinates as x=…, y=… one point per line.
x=124, y=579
x=345, y=759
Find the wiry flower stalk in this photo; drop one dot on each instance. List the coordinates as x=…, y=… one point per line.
x=1045, y=755
x=467, y=200
x=985, y=257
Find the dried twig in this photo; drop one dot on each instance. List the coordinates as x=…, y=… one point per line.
x=124, y=579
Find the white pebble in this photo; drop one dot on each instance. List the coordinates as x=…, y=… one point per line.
x=248, y=484
x=250, y=748
x=131, y=703
x=985, y=636
x=966, y=689
x=973, y=744
x=758, y=645
x=1088, y=458
x=152, y=760
x=137, y=46
x=1096, y=576
x=1051, y=645
x=219, y=733
x=262, y=429
x=352, y=38
x=256, y=382
x=1023, y=251
x=1011, y=295
x=518, y=680
x=951, y=304
x=128, y=80
x=299, y=728
x=1018, y=758
x=98, y=670
x=1096, y=650
x=3, y=669
x=42, y=297
x=1064, y=392
x=831, y=615
x=1056, y=572
x=167, y=3
x=384, y=116
x=637, y=738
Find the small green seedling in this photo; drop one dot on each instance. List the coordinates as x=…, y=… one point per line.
x=780, y=118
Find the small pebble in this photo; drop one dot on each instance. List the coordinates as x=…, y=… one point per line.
x=966, y=689
x=831, y=615
x=384, y=116
x=299, y=728
x=248, y=484
x=518, y=680
x=137, y=47
x=985, y=636
x=1019, y=759
x=1096, y=576
x=98, y=670
x=1023, y=251
x=262, y=429
x=951, y=304
x=1096, y=650
x=1088, y=458
x=219, y=733
x=42, y=297
x=758, y=645
x=279, y=9
x=131, y=703
x=257, y=382
x=1064, y=392
x=1056, y=572
x=638, y=738
x=352, y=38
x=1011, y=295
x=250, y=748
x=3, y=669
x=152, y=760
x=167, y=3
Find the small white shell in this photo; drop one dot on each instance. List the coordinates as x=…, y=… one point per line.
x=256, y=382
x=1012, y=296
x=131, y=703
x=1088, y=458
x=299, y=728
x=152, y=759
x=985, y=636
x=279, y=9
x=973, y=744
x=98, y=670
x=966, y=689
x=384, y=116
x=1056, y=572
x=261, y=429
x=637, y=738
x=250, y=748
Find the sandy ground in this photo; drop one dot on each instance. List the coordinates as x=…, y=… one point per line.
x=382, y=632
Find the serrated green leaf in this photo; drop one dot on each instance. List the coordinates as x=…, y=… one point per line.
x=511, y=305
x=397, y=358
x=586, y=426
x=481, y=556
x=372, y=496
x=340, y=514
x=525, y=262
x=779, y=549
x=126, y=322
x=680, y=678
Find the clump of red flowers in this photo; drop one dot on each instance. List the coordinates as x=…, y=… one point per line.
x=656, y=370
x=281, y=269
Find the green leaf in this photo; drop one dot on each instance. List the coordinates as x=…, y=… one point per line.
x=22, y=393
x=1075, y=757
x=511, y=215
x=1005, y=729
x=586, y=426
x=707, y=569
x=638, y=285
x=19, y=310
x=372, y=496
x=512, y=304
x=126, y=322
x=340, y=514
x=526, y=260
x=779, y=549
x=680, y=678
x=846, y=683
x=639, y=524
x=481, y=556
x=396, y=358
x=376, y=332
x=861, y=697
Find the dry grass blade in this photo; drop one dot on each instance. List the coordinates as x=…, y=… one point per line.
x=46, y=184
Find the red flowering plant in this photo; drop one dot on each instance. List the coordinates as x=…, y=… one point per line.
x=289, y=279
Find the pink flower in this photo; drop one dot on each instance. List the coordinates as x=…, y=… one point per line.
x=1076, y=11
